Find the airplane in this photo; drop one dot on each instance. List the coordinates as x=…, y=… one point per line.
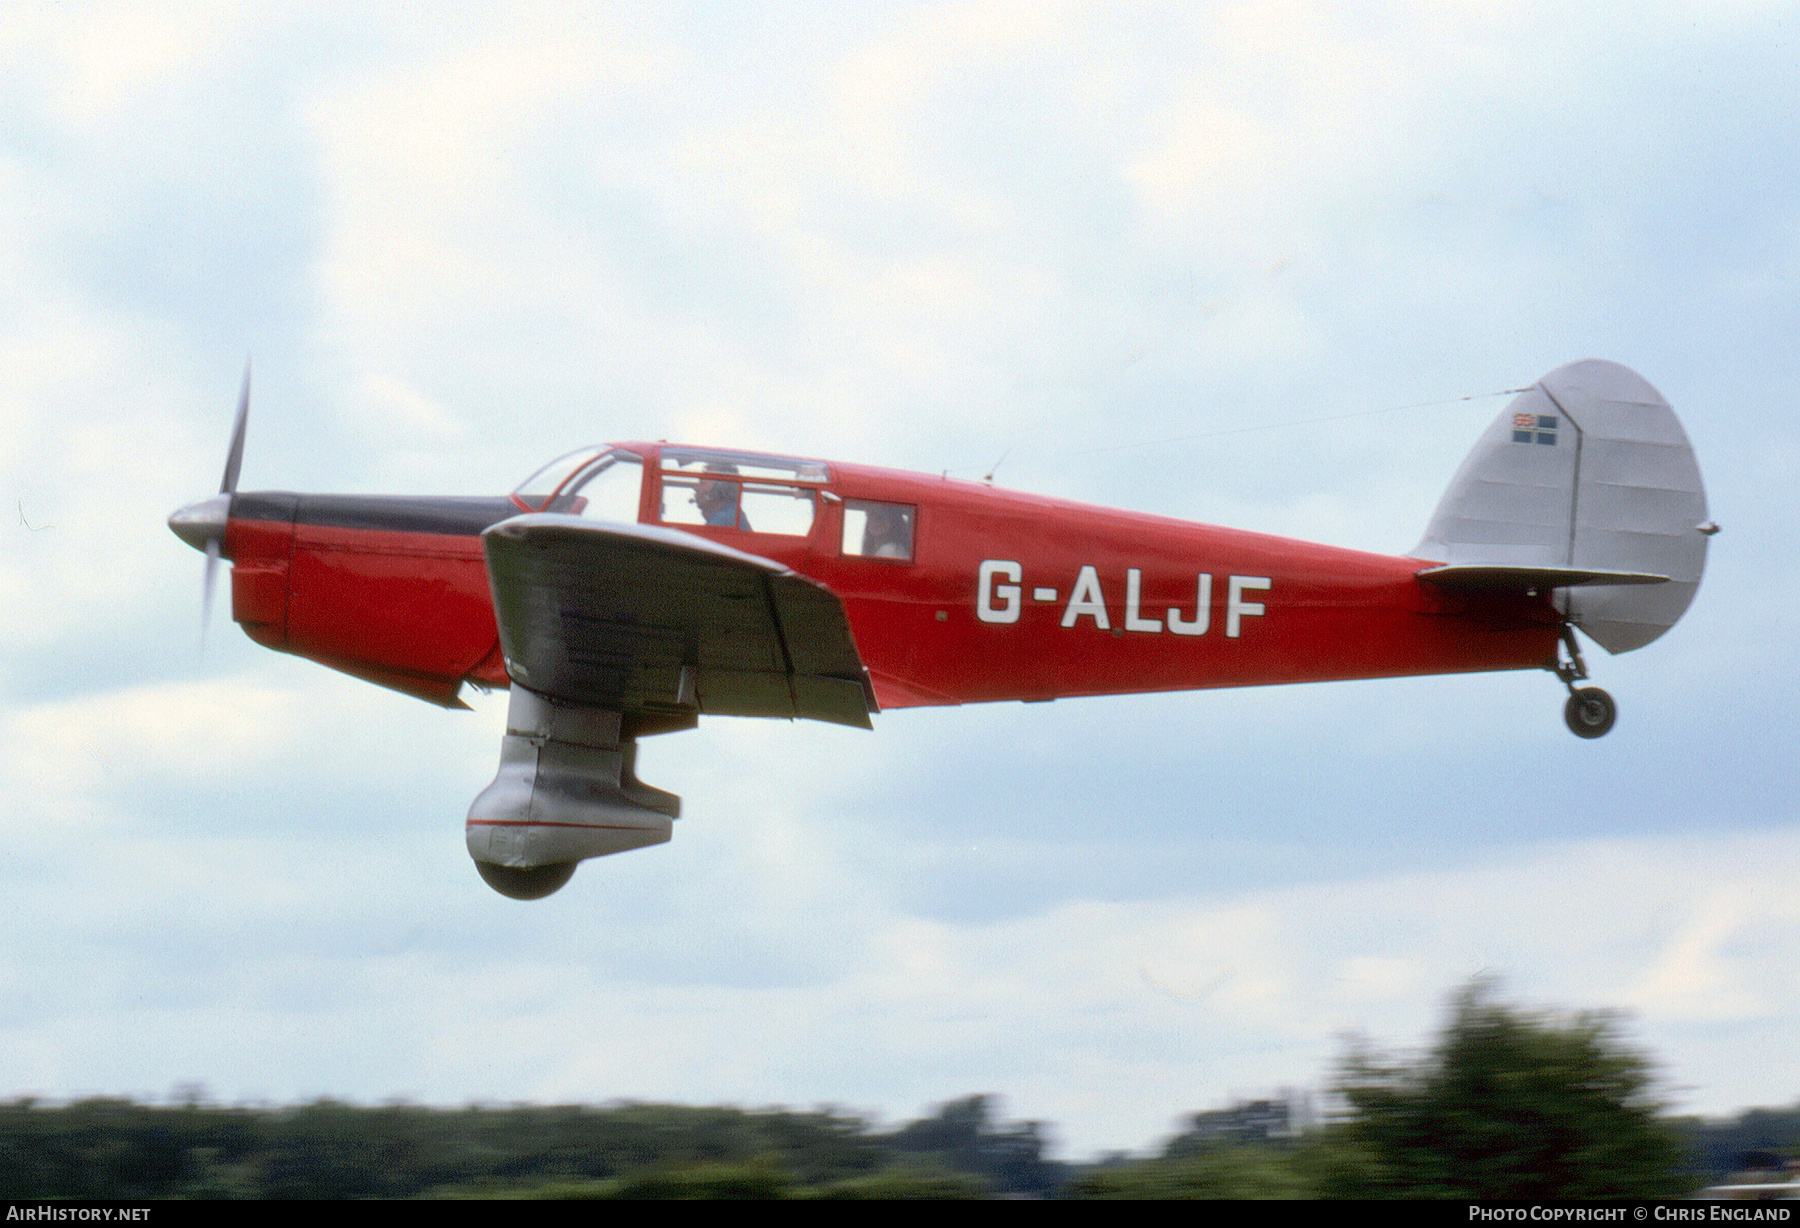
x=627, y=589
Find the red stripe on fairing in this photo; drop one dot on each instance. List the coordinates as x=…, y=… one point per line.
x=530, y=823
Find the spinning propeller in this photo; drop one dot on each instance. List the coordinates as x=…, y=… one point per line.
x=202, y=525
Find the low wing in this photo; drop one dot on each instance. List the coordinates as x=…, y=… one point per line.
x=646, y=620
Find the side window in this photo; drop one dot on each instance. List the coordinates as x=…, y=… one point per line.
x=774, y=508
x=878, y=530
x=722, y=499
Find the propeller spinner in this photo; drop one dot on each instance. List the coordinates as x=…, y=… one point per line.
x=202, y=524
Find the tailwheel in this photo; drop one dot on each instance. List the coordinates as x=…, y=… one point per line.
x=1590, y=712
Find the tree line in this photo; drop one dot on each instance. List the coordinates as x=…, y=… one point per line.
x=121, y=1149
x=1507, y=1104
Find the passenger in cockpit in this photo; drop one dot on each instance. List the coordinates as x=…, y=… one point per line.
x=889, y=532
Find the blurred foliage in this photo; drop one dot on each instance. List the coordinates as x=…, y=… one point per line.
x=1508, y=1105
x=912, y=1180
x=964, y=1137
x=1231, y=1171
x=1755, y=1139
x=119, y=1149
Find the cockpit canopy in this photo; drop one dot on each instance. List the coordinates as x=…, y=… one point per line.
x=747, y=491
x=713, y=487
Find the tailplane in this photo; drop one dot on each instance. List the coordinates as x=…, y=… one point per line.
x=1587, y=482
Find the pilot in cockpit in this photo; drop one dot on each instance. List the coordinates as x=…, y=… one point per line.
x=718, y=500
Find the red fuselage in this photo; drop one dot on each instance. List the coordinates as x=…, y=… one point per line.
x=1000, y=595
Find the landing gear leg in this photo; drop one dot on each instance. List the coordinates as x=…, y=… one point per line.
x=1590, y=711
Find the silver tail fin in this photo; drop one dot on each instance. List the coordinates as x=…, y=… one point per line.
x=1590, y=470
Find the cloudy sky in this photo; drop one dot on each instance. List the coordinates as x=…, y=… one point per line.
x=460, y=239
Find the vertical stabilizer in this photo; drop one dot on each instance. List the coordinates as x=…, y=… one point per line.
x=1588, y=468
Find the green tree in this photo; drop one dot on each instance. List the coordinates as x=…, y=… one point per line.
x=1509, y=1105
x=1225, y=1171
x=910, y=1181
x=964, y=1137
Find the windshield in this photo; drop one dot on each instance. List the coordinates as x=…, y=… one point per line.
x=601, y=482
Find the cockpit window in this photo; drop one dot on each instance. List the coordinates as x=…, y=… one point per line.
x=719, y=497
x=602, y=483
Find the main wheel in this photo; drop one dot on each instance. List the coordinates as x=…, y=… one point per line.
x=532, y=884
x=1590, y=712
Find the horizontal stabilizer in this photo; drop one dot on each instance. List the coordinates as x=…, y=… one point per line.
x=1481, y=577
x=646, y=620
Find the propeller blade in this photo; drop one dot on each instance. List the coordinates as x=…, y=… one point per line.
x=206, y=592
x=202, y=525
x=234, y=459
